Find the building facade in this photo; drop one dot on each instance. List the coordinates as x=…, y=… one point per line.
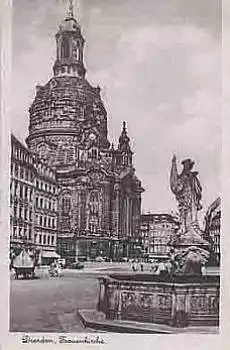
x=212, y=231
x=98, y=202
x=33, y=205
x=45, y=207
x=156, y=231
x=22, y=189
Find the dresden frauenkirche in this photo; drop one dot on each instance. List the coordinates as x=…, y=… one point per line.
x=99, y=195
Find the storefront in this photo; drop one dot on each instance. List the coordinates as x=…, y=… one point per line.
x=48, y=257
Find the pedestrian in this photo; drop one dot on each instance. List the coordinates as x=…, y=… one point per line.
x=134, y=265
x=203, y=270
x=142, y=266
x=162, y=268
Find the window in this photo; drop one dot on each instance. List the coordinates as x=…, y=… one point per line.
x=15, y=188
x=16, y=170
x=35, y=238
x=45, y=221
x=26, y=192
x=31, y=194
x=52, y=240
x=14, y=231
x=15, y=211
x=30, y=234
x=36, y=201
x=20, y=213
x=21, y=191
x=41, y=202
x=48, y=222
x=21, y=173
x=48, y=240
x=94, y=153
x=66, y=205
x=27, y=175
x=40, y=239
x=65, y=49
x=26, y=214
x=44, y=239
x=30, y=215
x=40, y=220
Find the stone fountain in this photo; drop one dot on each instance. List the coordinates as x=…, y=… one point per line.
x=183, y=298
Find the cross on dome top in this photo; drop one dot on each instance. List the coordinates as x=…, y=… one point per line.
x=71, y=9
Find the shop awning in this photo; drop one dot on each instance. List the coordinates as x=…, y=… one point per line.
x=46, y=254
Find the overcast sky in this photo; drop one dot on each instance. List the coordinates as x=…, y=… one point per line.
x=158, y=63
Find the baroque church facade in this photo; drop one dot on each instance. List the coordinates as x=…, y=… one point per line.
x=99, y=195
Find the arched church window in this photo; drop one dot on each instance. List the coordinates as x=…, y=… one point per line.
x=94, y=153
x=76, y=53
x=65, y=49
x=94, y=203
x=66, y=205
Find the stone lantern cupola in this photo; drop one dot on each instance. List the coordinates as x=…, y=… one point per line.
x=70, y=44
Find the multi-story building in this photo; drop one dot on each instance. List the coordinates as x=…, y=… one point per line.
x=156, y=231
x=212, y=230
x=45, y=225
x=99, y=195
x=22, y=188
x=33, y=204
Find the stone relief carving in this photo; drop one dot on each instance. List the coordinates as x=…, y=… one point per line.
x=128, y=299
x=145, y=300
x=164, y=301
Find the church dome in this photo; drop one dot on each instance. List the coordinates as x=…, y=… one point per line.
x=63, y=103
x=67, y=109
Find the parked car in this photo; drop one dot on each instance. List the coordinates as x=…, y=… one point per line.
x=107, y=259
x=99, y=259
x=76, y=265
x=82, y=258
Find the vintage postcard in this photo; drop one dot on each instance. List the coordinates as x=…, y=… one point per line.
x=113, y=208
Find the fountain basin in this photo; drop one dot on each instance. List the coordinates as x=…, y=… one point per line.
x=177, y=301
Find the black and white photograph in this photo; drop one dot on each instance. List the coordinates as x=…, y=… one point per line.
x=115, y=167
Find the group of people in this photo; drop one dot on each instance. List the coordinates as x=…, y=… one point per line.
x=136, y=265
x=156, y=267
x=55, y=269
